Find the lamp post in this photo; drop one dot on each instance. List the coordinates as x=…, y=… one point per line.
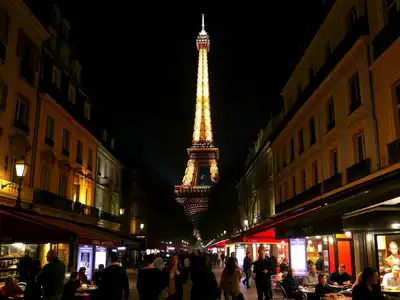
x=21, y=168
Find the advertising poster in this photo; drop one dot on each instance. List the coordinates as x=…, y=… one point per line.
x=298, y=256
x=100, y=257
x=85, y=259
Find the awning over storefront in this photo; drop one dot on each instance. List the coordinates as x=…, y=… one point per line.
x=15, y=227
x=264, y=237
x=373, y=219
x=84, y=235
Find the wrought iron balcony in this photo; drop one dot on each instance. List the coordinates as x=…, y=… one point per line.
x=332, y=183
x=358, y=170
x=394, y=152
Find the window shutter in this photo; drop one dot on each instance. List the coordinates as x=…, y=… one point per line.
x=3, y=99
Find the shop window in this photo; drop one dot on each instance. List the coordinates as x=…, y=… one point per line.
x=388, y=260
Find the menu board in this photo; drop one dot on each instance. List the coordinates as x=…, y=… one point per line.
x=85, y=260
x=100, y=257
x=298, y=256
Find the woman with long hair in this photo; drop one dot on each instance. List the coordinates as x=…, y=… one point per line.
x=174, y=279
x=230, y=280
x=368, y=288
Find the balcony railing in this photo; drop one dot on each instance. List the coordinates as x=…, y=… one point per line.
x=394, y=152
x=52, y=200
x=21, y=126
x=358, y=170
x=332, y=183
x=309, y=194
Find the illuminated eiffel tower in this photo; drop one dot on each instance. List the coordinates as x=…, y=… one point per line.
x=201, y=171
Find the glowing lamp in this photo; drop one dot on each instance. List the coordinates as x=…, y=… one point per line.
x=21, y=168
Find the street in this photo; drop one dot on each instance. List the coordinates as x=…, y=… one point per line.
x=249, y=294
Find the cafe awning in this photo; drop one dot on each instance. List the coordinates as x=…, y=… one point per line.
x=15, y=227
x=85, y=235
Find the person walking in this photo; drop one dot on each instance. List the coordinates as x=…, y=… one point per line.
x=149, y=281
x=247, y=264
x=230, y=280
x=174, y=279
x=114, y=284
x=263, y=269
x=52, y=277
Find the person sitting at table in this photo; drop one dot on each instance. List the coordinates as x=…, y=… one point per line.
x=292, y=286
x=322, y=289
x=341, y=277
x=311, y=278
x=368, y=287
x=82, y=276
x=71, y=286
x=10, y=288
x=392, y=279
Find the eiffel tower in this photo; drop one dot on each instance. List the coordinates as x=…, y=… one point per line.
x=202, y=170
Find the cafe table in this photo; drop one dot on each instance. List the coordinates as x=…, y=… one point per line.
x=308, y=289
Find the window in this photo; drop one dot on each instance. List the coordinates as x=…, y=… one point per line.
x=99, y=166
x=301, y=141
x=331, y=114
x=310, y=75
x=45, y=179
x=334, y=162
x=65, y=139
x=77, y=189
x=104, y=135
x=3, y=95
x=79, y=147
x=291, y=149
x=303, y=180
x=21, y=111
x=56, y=77
x=315, y=172
x=90, y=159
x=286, y=192
x=4, y=26
x=391, y=11
x=62, y=186
x=29, y=57
x=112, y=144
x=312, y=131
x=360, y=147
x=284, y=157
x=294, y=185
x=49, y=128
x=71, y=93
x=87, y=110
x=355, y=96
x=280, y=194
x=352, y=18
x=278, y=163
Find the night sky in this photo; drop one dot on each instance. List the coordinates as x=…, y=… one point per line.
x=139, y=67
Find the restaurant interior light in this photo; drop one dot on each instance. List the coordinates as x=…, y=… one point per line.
x=141, y=226
x=347, y=234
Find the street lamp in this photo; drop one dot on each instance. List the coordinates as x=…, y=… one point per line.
x=224, y=231
x=141, y=226
x=21, y=168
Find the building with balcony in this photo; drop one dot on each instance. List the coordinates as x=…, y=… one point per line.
x=255, y=189
x=336, y=153
x=108, y=179
x=21, y=39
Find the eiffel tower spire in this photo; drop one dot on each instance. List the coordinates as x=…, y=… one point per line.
x=202, y=170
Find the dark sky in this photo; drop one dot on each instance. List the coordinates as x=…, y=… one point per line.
x=140, y=63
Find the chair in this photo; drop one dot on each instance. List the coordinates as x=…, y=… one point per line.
x=285, y=295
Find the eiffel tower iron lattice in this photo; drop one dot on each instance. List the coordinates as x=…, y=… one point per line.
x=202, y=170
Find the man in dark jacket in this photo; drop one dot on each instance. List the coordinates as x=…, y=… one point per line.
x=247, y=263
x=263, y=269
x=52, y=277
x=114, y=284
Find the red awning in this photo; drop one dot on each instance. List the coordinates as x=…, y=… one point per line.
x=85, y=235
x=263, y=237
x=220, y=244
x=15, y=227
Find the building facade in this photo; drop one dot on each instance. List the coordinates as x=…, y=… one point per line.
x=108, y=180
x=21, y=40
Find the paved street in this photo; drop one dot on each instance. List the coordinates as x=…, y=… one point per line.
x=249, y=294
